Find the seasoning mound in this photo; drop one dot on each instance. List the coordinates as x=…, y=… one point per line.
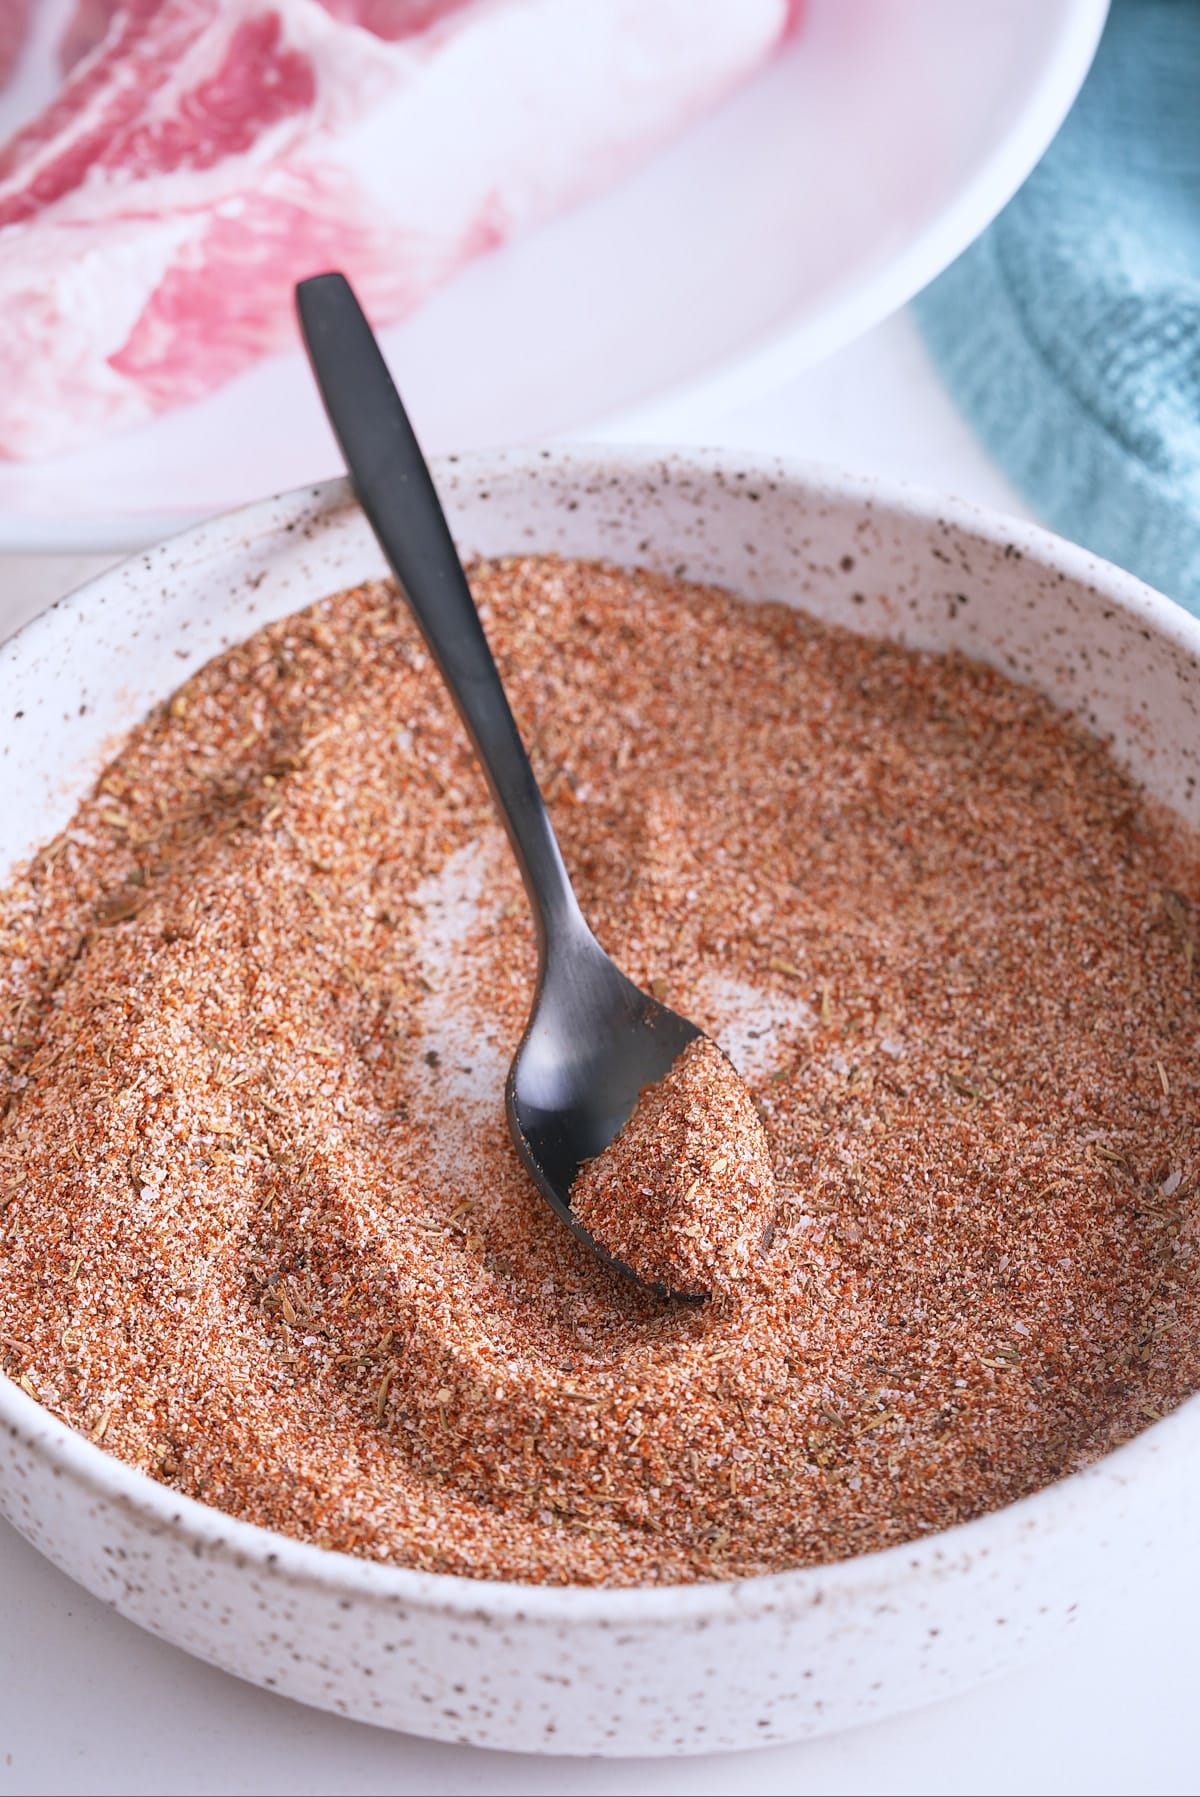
x=684, y=1193
x=263, y=1233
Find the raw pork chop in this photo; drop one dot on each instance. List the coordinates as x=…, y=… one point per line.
x=203, y=155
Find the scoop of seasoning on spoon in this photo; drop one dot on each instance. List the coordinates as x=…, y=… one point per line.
x=684, y=1193
x=594, y=1043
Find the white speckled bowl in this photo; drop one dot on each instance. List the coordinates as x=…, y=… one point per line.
x=676, y=1669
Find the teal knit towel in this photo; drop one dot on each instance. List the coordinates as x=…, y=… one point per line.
x=1069, y=333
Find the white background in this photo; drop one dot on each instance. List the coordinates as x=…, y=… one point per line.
x=90, y=1704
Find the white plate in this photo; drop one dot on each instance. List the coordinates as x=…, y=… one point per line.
x=815, y=202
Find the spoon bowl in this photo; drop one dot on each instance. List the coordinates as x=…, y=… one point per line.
x=593, y=1042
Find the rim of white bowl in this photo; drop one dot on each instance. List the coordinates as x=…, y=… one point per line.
x=946, y=1552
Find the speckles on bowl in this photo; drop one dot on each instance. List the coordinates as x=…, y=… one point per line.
x=627, y=1672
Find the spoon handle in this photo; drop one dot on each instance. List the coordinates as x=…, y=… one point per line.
x=394, y=487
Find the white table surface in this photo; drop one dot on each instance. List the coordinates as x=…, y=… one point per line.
x=88, y=1703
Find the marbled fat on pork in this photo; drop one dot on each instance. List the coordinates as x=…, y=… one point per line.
x=203, y=155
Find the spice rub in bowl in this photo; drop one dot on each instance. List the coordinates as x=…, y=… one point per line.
x=264, y=1234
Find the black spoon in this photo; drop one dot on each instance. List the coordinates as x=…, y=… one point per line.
x=593, y=1040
